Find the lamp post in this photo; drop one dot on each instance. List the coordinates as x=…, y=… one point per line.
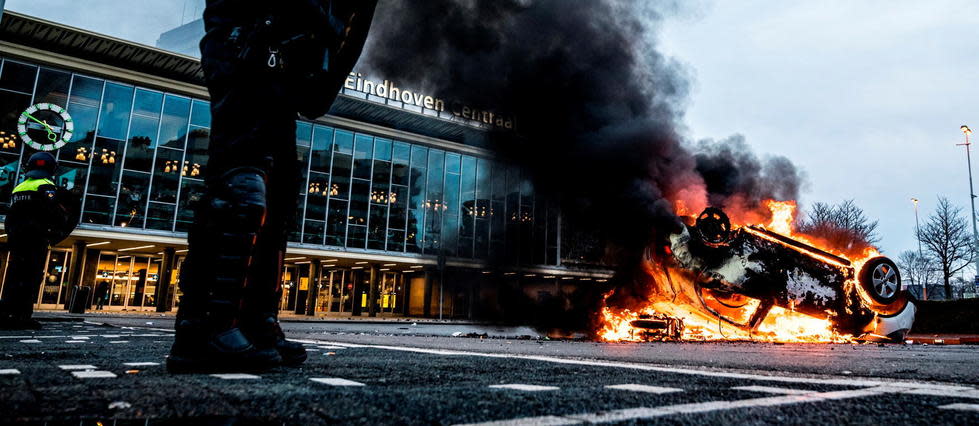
x=972, y=195
x=917, y=235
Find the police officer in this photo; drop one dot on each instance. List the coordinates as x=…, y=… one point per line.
x=263, y=62
x=35, y=219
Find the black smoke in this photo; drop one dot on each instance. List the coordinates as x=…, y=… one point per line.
x=595, y=105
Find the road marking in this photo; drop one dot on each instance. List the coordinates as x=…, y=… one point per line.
x=856, y=382
x=643, y=413
x=77, y=367
x=75, y=341
x=526, y=388
x=960, y=406
x=119, y=341
x=9, y=371
x=140, y=364
x=336, y=381
x=236, y=376
x=93, y=374
x=30, y=341
x=962, y=393
x=772, y=389
x=112, y=336
x=331, y=347
x=643, y=388
x=79, y=337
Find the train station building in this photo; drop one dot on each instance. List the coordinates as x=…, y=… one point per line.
x=403, y=203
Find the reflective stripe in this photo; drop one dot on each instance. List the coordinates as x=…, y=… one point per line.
x=31, y=185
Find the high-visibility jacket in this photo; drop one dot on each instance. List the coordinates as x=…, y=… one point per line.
x=35, y=211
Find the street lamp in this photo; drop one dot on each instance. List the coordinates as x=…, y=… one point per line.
x=972, y=195
x=917, y=234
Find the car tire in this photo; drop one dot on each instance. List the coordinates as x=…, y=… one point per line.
x=881, y=280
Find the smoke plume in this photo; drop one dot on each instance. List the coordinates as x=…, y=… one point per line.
x=595, y=106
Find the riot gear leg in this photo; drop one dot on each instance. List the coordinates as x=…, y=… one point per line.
x=25, y=271
x=213, y=277
x=263, y=289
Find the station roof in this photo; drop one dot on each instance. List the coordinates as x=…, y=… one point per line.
x=49, y=36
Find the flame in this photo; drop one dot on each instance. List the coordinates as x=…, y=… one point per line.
x=673, y=293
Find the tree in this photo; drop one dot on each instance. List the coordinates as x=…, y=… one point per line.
x=918, y=268
x=844, y=225
x=948, y=239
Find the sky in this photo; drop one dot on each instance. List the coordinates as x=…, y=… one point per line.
x=865, y=97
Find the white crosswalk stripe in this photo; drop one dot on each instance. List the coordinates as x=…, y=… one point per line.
x=77, y=367
x=775, y=390
x=960, y=406
x=9, y=371
x=525, y=387
x=643, y=388
x=335, y=381
x=140, y=364
x=30, y=341
x=93, y=374
x=236, y=376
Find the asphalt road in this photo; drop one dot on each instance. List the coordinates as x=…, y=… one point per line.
x=383, y=374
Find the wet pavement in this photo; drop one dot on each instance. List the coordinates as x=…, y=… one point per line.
x=110, y=370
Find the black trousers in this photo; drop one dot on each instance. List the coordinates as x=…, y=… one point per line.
x=253, y=125
x=28, y=251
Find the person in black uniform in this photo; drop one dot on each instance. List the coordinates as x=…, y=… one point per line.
x=263, y=63
x=36, y=219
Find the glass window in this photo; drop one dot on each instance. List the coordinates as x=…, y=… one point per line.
x=98, y=210
x=18, y=76
x=396, y=240
x=191, y=192
x=133, y=193
x=105, y=166
x=382, y=149
x=8, y=176
x=86, y=91
x=399, y=206
x=318, y=190
x=116, y=106
x=482, y=210
x=11, y=106
x=173, y=127
x=147, y=103
x=52, y=87
x=313, y=232
x=377, y=227
x=468, y=210
x=322, y=141
x=166, y=175
x=160, y=216
x=340, y=186
x=80, y=146
x=200, y=114
x=303, y=130
x=336, y=223
x=435, y=203
x=363, y=147
x=71, y=175
x=399, y=171
x=343, y=142
x=416, y=199
x=196, y=159
x=359, y=195
x=142, y=135
x=356, y=236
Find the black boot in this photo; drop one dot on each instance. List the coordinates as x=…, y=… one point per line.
x=213, y=278
x=265, y=332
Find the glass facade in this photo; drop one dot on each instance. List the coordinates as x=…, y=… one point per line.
x=139, y=155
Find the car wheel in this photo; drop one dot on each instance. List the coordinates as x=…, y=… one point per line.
x=881, y=279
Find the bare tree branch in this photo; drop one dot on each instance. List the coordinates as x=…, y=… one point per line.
x=948, y=239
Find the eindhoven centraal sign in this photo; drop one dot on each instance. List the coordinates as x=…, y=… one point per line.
x=388, y=89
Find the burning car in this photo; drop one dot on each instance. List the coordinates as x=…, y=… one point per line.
x=740, y=274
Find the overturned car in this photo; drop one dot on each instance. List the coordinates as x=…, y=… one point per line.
x=752, y=268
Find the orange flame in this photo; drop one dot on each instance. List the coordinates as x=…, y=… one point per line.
x=673, y=294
